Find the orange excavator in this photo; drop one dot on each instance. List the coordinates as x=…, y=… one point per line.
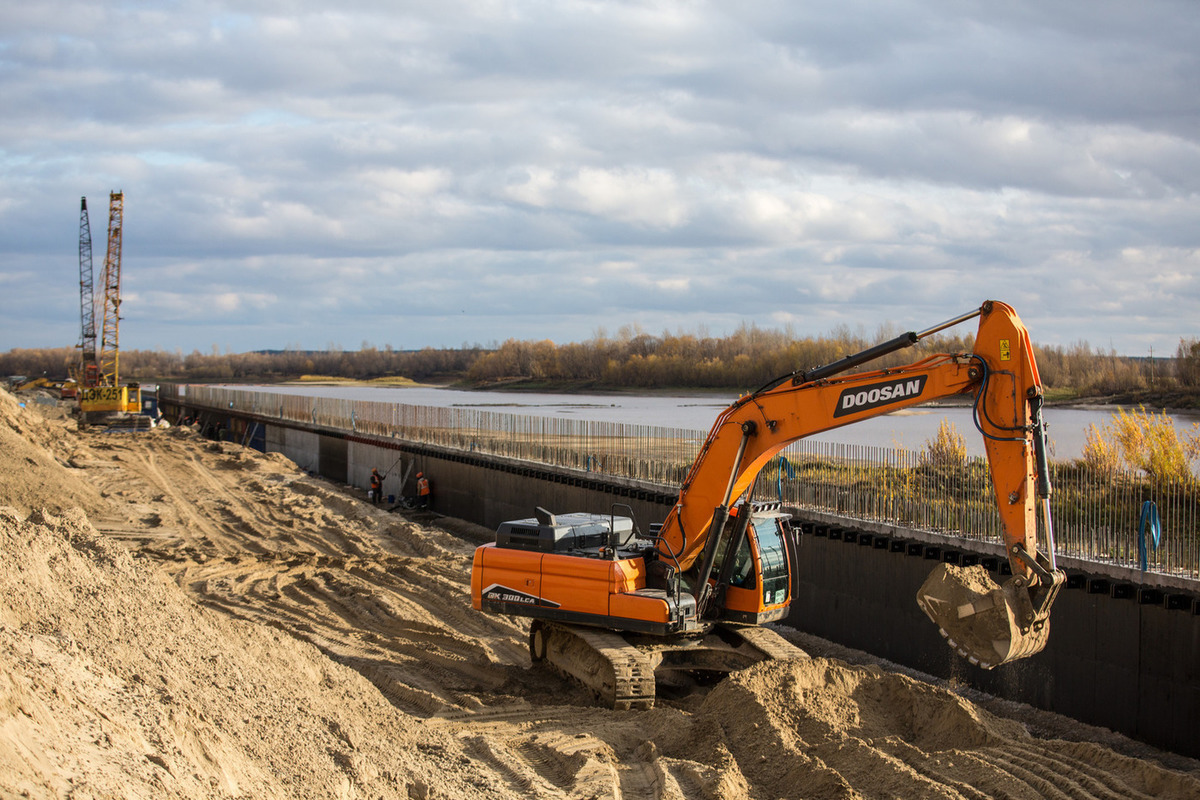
x=629, y=614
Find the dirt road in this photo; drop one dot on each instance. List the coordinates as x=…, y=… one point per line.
x=181, y=618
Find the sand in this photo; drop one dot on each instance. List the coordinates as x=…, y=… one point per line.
x=181, y=618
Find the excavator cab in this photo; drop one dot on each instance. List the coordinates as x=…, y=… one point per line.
x=754, y=585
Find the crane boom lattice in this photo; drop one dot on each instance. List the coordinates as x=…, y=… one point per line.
x=89, y=374
x=111, y=282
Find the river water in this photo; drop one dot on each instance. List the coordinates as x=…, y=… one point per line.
x=909, y=429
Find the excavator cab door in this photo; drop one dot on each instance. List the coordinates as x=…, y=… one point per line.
x=757, y=584
x=771, y=536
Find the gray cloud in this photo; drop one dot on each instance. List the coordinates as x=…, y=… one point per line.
x=449, y=173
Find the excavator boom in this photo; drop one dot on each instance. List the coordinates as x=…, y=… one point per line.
x=1000, y=373
x=1001, y=377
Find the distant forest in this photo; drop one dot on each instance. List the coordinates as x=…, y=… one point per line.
x=635, y=360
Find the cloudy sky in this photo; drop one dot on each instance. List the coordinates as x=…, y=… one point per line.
x=449, y=172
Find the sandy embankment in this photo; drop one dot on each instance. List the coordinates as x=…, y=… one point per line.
x=180, y=618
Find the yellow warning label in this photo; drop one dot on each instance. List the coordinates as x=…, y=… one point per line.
x=110, y=398
x=1005, y=350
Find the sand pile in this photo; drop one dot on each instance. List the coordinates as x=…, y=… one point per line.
x=180, y=618
x=35, y=455
x=844, y=731
x=115, y=684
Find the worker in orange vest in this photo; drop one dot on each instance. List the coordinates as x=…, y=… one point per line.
x=376, y=486
x=422, y=490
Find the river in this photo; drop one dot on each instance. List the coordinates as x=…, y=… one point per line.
x=909, y=429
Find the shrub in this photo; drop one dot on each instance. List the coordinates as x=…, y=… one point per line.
x=1145, y=441
x=947, y=449
x=1100, y=452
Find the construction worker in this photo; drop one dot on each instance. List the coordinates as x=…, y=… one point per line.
x=376, y=486
x=422, y=490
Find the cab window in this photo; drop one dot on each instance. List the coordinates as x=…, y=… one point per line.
x=772, y=553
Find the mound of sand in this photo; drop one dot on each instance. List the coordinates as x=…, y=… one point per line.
x=115, y=684
x=844, y=731
x=35, y=462
x=180, y=618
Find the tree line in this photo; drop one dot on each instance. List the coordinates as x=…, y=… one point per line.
x=632, y=359
x=153, y=366
x=751, y=357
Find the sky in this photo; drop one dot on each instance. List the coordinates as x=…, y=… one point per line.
x=446, y=173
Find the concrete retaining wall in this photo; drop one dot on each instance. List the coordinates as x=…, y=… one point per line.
x=482, y=489
x=303, y=447
x=1122, y=654
x=1128, y=660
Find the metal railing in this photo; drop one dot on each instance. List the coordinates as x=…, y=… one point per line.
x=1096, y=514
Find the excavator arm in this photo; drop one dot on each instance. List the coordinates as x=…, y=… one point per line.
x=988, y=624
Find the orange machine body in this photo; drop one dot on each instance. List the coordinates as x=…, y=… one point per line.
x=568, y=587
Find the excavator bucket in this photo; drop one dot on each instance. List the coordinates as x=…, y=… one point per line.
x=979, y=618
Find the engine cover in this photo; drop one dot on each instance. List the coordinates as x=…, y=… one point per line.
x=560, y=533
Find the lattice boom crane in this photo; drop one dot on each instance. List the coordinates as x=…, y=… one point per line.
x=111, y=301
x=100, y=380
x=88, y=371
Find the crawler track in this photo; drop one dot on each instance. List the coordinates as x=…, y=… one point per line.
x=619, y=674
x=624, y=671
